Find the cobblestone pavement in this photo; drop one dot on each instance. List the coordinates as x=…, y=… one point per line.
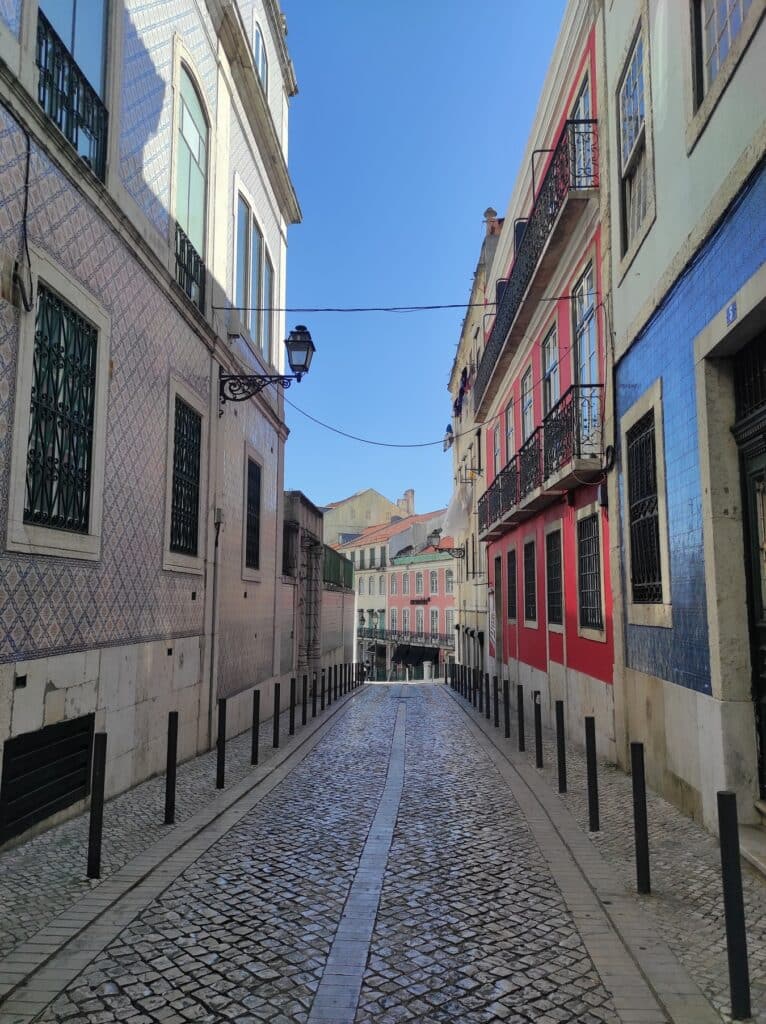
x=46, y=875
x=686, y=899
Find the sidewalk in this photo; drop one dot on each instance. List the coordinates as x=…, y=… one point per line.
x=686, y=899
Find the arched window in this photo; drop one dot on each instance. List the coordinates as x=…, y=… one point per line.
x=361, y=584
x=191, y=191
x=434, y=581
x=434, y=621
x=419, y=621
x=393, y=619
x=405, y=620
x=405, y=583
x=418, y=582
x=381, y=584
x=260, y=60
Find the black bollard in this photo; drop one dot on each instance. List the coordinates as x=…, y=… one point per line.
x=507, y=708
x=520, y=715
x=275, y=716
x=96, y=826
x=496, y=701
x=314, y=694
x=321, y=694
x=561, y=746
x=335, y=681
x=304, y=699
x=220, y=743
x=291, y=726
x=255, y=733
x=594, y=823
x=640, y=823
x=475, y=693
x=481, y=691
x=487, y=711
x=329, y=686
x=733, y=905
x=170, y=770
x=536, y=699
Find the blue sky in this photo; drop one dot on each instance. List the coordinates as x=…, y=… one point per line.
x=411, y=119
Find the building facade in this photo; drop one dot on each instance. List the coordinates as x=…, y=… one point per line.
x=346, y=519
x=687, y=141
x=145, y=214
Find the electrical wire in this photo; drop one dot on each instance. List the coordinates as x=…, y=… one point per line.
x=372, y=309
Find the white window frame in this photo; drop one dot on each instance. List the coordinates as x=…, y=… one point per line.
x=29, y=537
x=527, y=406
x=420, y=622
x=434, y=614
x=449, y=581
x=381, y=585
x=598, y=635
x=419, y=583
x=361, y=584
x=248, y=572
x=405, y=582
x=510, y=447
x=431, y=588
x=496, y=449
x=449, y=620
x=393, y=617
x=660, y=614
x=551, y=376
x=174, y=561
x=405, y=620
x=241, y=317
x=394, y=583
x=261, y=65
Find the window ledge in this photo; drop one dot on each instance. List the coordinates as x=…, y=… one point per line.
x=554, y=627
x=530, y=624
x=596, y=635
x=659, y=615
x=173, y=561
x=41, y=540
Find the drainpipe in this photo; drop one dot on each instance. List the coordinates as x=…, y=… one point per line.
x=213, y=638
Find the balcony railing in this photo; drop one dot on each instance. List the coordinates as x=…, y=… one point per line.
x=69, y=100
x=530, y=463
x=573, y=166
x=190, y=269
x=424, y=638
x=572, y=429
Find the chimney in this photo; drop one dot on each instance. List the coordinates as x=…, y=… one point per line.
x=490, y=219
x=409, y=501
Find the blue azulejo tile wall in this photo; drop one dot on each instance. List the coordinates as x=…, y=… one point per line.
x=665, y=350
x=10, y=14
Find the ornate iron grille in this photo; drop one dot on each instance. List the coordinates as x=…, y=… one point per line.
x=60, y=447
x=750, y=378
x=531, y=475
x=69, y=100
x=483, y=510
x=645, y=565
x=568, y=169
x=572, y=429
x=530, y=583
x=253, y=525
x=190, y=269
x=589, y=573
x=184, y=514
x=509, y=486
x=511, y=564
x=423, y=638
x=553, y=577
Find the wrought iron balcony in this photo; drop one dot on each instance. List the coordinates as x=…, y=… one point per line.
x=500, y=498
x=69, y=100
x=571, y=176
x=190, y=269
x=423, y=638
x=572, y=431
x=530, y=464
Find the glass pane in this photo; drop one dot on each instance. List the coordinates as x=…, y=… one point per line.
x=241, y=271
x=255, y=285
x=60, y=13
x=182, y=186
x=196, y=212
x=192, y=102
x=268, y=314
x=90, y=40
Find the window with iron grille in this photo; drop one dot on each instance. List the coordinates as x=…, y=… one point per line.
x=643, y=512
x=553, y=578
x=184, y=511
x=60, y=445
x=253, y=536
x=511, y=583
x=750, y=378
x=530, y=583
x=589, y=573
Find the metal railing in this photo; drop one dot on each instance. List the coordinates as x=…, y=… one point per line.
x=423, y=638
x=337, y=571
x=69, y=100
x=572, y=429
x=190, y=269
x=500, y=496
x=530, y=464
x=573, y=165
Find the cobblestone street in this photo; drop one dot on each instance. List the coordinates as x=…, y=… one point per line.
x=397, y=866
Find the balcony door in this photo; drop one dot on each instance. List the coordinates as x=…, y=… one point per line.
x=586, y=367
x=583, y=172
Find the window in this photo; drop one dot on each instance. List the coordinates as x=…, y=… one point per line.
x=260, y=60
x=419, y=617
x=510, y=447
x=643, y=512
x=242, y=271
x=496, y=449
x=255, y=293
x=381, y=584
x=394, y=583
x=550, y=372
x=371, y=585
x=361, y=584
x=191, y=191
x=372, y=558
x=184, y=512
x=289, y=548
x=60, y=443
x=418, y=582
x=361, y=559
x=449, y=620
x=393, y=619
x=253, y=516
x=268, y=310
x=511, y=566
x=434, y=621
x=449, y=581
x=434, y=582
x=589, y=573
x=405, y=620
x=383, y=558
x=405, y=583
x=634, y=164
x=717, y=25
x=527, y=413
x=530, y=583
x=71, y=57
x=352, y=556
x=586, y=361
x=584, y=169
x=554, y=578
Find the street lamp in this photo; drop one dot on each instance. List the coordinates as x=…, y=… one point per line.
x=433, y=541
x=234, y=387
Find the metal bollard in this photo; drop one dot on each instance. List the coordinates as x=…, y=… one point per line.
x=507, y=708
x=220, y=743
x=170, y=769
x=335, y=681
x=275, y=716
x=329, y=686
x=520, y=715
x=255, y=734
x=487, y=711
x=304, y=698
x=314, y=694
x=538, y=729
x=561, y=746
x=321, y=694
x=594, y=823
x=481, y=690
x=733, y=905
x=291, y=726
x=96, y=825
x=496, y=701
x=640, y=822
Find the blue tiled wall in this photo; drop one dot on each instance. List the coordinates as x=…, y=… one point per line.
x=10, y=13
x=665, y=350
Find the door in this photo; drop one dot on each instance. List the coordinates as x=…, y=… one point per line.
x=583, y=171
x=588, y=439
x=755, y=497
